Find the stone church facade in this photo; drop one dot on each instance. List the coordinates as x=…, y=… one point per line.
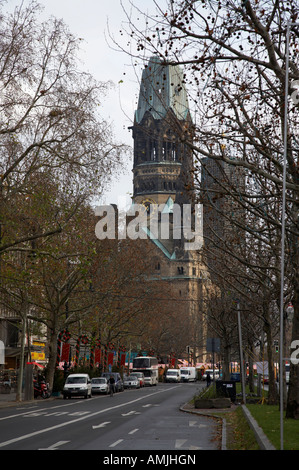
x=162, y=176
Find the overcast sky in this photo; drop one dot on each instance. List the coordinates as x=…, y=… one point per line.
x=89, y=19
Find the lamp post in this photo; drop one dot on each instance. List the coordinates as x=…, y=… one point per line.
x=241, y=354
x=285, y=139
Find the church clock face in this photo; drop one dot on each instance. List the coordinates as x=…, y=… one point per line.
x=150, y=206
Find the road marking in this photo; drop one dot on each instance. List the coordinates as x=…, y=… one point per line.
x=180, y=442
x=195, y=424
x=67, y=423
x=54, y=446
x=149, y=404
x=35, y=414
x=116, y=443
x=131, y=413
x=28, y=413
x=133, y=431
x=101, y=425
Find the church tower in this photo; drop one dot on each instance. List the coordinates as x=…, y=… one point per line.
x=162, y=162
x=162, y=175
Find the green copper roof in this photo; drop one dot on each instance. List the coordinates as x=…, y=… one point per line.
x=162, y=88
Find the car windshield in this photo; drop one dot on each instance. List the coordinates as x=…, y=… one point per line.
x=98, y=381
x=132, y=377
x=76, y=380
x=171, y=372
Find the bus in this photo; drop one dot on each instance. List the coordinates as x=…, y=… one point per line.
x=149, y=366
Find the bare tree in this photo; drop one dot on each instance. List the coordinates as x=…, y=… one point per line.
x=49, y=120
x=235, y=68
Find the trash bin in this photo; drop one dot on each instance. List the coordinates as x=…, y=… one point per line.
x=226, y=389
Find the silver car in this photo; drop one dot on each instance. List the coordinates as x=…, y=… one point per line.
x=131, y=382
x=99, y=385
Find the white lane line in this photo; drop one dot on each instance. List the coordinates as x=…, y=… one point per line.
x=54, y=446
x=67, y=423
x=133, y=431
x=116, y=443
x=131, y=413
x=28, y=413
x=101, y=425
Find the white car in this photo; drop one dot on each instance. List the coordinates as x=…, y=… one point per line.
x=77, y=385
x=99, y=385
x=210, y=371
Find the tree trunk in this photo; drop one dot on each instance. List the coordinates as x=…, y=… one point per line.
x=21, y=369
x=292, y=408
x=52, y=352
x=272, y=392
x=251, y=377
x=226, y=362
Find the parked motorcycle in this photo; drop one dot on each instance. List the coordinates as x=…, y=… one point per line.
x=41, y=389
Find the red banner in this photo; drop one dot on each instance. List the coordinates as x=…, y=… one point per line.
x=65, y=354
x=123, y=359
x=110, y=359
x=97, y=355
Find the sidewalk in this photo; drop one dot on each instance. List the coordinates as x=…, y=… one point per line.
x=9, y=399
x=261, y=438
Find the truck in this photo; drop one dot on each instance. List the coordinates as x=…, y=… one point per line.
x=188, y=374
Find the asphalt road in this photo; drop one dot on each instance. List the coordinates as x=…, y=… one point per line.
x=144, y=419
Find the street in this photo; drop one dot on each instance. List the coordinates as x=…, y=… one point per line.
x=144, y=419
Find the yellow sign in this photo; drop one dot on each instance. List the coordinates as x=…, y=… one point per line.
x=38, y=356
x=38, y=343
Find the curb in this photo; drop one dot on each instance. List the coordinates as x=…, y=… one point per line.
x=260, y=436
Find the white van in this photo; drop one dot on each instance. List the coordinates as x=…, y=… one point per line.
x=173, y=375
x=188, y=374
x=77, y=385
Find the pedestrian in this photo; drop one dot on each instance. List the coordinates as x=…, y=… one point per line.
x=112, y=385
x=208, y=379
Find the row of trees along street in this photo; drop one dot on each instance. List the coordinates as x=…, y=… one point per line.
x=234, y=58
x=57, y=156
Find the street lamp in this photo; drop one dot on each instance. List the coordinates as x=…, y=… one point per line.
x=289, y=24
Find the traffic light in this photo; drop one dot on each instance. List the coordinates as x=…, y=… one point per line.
x=276, y=345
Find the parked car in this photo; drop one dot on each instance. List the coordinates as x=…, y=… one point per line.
x=99, y=385
x=119, y=385
x=210, y=371
x=132, y=381
x=77, y=385
x=140, y=376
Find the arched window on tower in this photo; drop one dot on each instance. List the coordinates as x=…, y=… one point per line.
x=153, y=150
